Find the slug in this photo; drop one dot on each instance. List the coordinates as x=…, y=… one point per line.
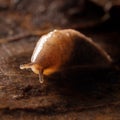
x=62, y=49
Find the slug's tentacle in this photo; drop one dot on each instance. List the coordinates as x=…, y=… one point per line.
x=41, y=78
x=26, y=66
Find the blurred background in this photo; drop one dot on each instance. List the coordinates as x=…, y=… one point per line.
x=93, y=17
x=22, y=97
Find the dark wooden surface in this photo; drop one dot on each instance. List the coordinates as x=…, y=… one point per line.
x=72, y=95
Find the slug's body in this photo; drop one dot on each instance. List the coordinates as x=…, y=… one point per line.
x=61, y=49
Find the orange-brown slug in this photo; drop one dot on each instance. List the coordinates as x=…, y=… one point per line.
x=62, y=49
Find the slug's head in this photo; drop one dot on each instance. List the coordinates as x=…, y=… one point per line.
x=35, y=68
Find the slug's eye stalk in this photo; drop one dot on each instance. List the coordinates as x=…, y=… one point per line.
x=25, y=66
